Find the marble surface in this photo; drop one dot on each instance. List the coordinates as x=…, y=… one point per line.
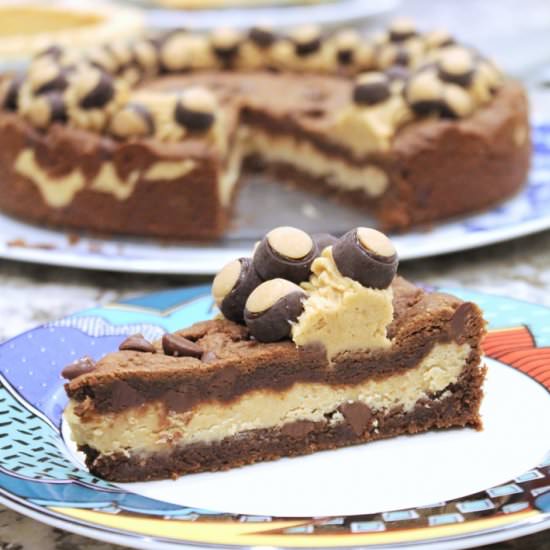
x=35, y=294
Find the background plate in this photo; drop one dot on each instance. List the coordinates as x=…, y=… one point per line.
x=500, y=489
x=527, y=213
x=329, y=14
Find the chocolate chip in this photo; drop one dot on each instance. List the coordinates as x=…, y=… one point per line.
x=263, y=38
x=179, y=346
x=11, y=99
x=285, y=252
x=298, y=429
x=371, y=88
x=322, y=240
x=366, y=256
x=232, y=287
x=271, y=308
x=209, y=357
x=465, y=314
x=357, y=415
x=79, y=367
x=137, y=342
x=100, y=94
x=195, y=110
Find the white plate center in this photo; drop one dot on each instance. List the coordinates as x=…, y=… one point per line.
x=399, y=473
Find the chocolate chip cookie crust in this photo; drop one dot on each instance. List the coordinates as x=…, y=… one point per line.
x=151, y=136
x=225, y=393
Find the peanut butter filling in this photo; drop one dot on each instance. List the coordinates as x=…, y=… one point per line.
x=340, y=313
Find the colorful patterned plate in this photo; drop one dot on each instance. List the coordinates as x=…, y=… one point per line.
x=528, y=212
x=451, y=489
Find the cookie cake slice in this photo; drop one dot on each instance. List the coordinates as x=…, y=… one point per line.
x=318, y=345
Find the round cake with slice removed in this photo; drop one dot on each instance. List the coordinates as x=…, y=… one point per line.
x=151, y=137
x=299, y=362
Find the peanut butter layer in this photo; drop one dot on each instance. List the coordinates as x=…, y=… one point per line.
x=156, y=429
x=127, y=379
x=350, y=424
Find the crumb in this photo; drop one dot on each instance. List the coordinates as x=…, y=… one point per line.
x=73, y=238
x=22, y=243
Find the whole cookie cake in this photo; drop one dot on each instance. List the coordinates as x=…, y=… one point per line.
x=149, y=137
x=318, y=345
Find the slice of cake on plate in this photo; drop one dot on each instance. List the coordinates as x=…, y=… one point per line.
x=319, y=345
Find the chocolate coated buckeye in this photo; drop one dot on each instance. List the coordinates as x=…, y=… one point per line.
x=285, y=252
x=232, y=287
x=100, y=90
x=58, y=111
x=307, y=40
x=366, y=256
x=47, y=108
x=424, y=93
x=322, y=240
x=438, y=39
x=457, y=102
x=47, y=76
x=196, y=109
x=457, y=66
x=401, y=30
x=11, y=99
x=132, y=120
x=271, y=308
x=54, y=52
x=262, y=37
x=79, y=367
x=347, y=42
x=371, y=88
x=179, y=346
x=226, y=43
